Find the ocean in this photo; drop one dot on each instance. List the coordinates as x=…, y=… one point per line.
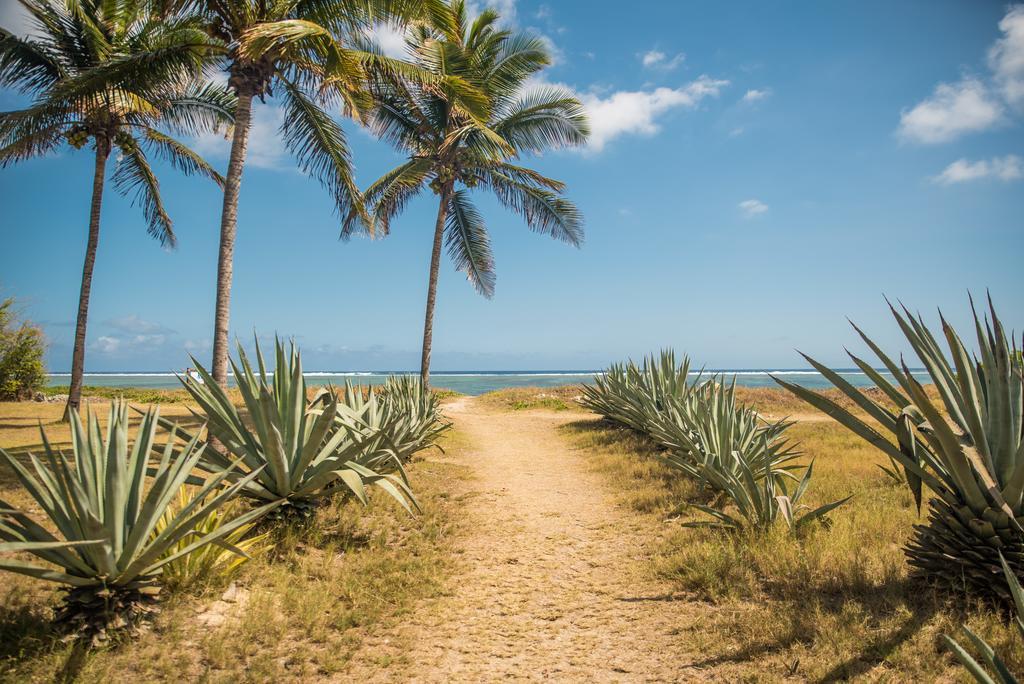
x=479, y=382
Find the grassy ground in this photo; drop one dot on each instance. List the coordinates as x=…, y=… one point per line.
x=835, y=603
x=301, y=609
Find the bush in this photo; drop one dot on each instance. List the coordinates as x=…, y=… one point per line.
x=21, y=355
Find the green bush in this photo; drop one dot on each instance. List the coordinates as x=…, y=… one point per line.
x=21, y=355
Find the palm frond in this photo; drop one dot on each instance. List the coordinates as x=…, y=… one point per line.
x=26, y=65
x=320, y=148
x=388, y=196
x=469, y=245
x=544, y=118
x=134, y=178
x=180, y=156
x=544, y=210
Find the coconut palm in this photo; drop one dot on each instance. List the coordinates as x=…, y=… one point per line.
x=307, y=54
x=452, y=151
x=150, y=61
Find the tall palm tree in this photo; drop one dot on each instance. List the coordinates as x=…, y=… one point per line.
x=150, y=60
x=452, y=151
x=307, y=53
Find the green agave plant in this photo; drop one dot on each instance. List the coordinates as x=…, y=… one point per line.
x=1002, y=674
x=630, y=395
x=299, y=449
x=403, y=413
x=214, y=561
x=760, y=497
x=967, y=448
x=106, y=503
x=709, y=432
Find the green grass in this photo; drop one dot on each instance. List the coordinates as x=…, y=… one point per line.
x=837, y=602
x=533, y=398
x=320, y=590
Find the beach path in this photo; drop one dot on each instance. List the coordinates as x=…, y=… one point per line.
x=552, y=583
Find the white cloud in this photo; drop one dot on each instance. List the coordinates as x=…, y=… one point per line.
x=625, y=112
x=506, y=9
x=658, y=59
x=106, y=344
x=1006, y=168
x=954, y=109
x=1006, y=57
x=752, y=207
x=754, y=94
x=266, y=148
x=390, y=39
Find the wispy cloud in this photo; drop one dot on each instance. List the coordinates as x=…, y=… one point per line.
x=1006, y=168
x=974, y=103
x=637, y=112
x=656, y=59
x=136, y=325
x=756, y=95
x=1006, y=57
x=954, y=109
x=752, y=207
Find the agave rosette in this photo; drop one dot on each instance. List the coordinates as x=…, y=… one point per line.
x=967, y=447
x=106, y=503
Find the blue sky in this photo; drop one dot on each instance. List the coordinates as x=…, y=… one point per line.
x=759, y=172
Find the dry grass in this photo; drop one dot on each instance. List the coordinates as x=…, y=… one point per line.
x=834, y=603
x=311, y=600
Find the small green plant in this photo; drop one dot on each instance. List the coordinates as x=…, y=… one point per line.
x=105, y=504
x=213, y=562
x=709, y=433
x=760, y=498
x=968, y=448
x=21, y=355
x=298, y=450
x=1002, y=674
x=631, y=395
x=402, y=414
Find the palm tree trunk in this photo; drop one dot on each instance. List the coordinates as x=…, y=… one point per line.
x=435, y=264
x=78, y=354
x=228, y=226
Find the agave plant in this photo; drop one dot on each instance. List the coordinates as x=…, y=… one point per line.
x=403, y=413
x=218, y=560
x=106, y=504
x=630, y=395
x=299, y=449
x=708, y=431
x=988, y=654
x=968, y=448
x=760, y=497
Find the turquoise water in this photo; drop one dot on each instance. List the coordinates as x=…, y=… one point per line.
x=475, y=382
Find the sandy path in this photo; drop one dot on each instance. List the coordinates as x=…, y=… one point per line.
x=552, y=584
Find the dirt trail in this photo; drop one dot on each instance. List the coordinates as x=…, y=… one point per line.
x=552, y=585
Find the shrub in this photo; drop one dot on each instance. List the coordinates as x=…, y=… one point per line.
x=21, y=356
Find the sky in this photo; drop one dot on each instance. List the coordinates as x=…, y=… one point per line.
x=757, y=174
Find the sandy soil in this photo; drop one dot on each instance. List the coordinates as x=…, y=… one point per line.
x=552, y=586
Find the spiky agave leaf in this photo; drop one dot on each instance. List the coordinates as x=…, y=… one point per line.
x=299, y=450
x=1000, y=673
x=214, y=561
x=105, y=503
x=968, y=448
x=632, y=395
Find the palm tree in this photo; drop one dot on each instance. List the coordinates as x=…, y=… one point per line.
x=453, y=151
x=307, y=53
x=149, y=61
